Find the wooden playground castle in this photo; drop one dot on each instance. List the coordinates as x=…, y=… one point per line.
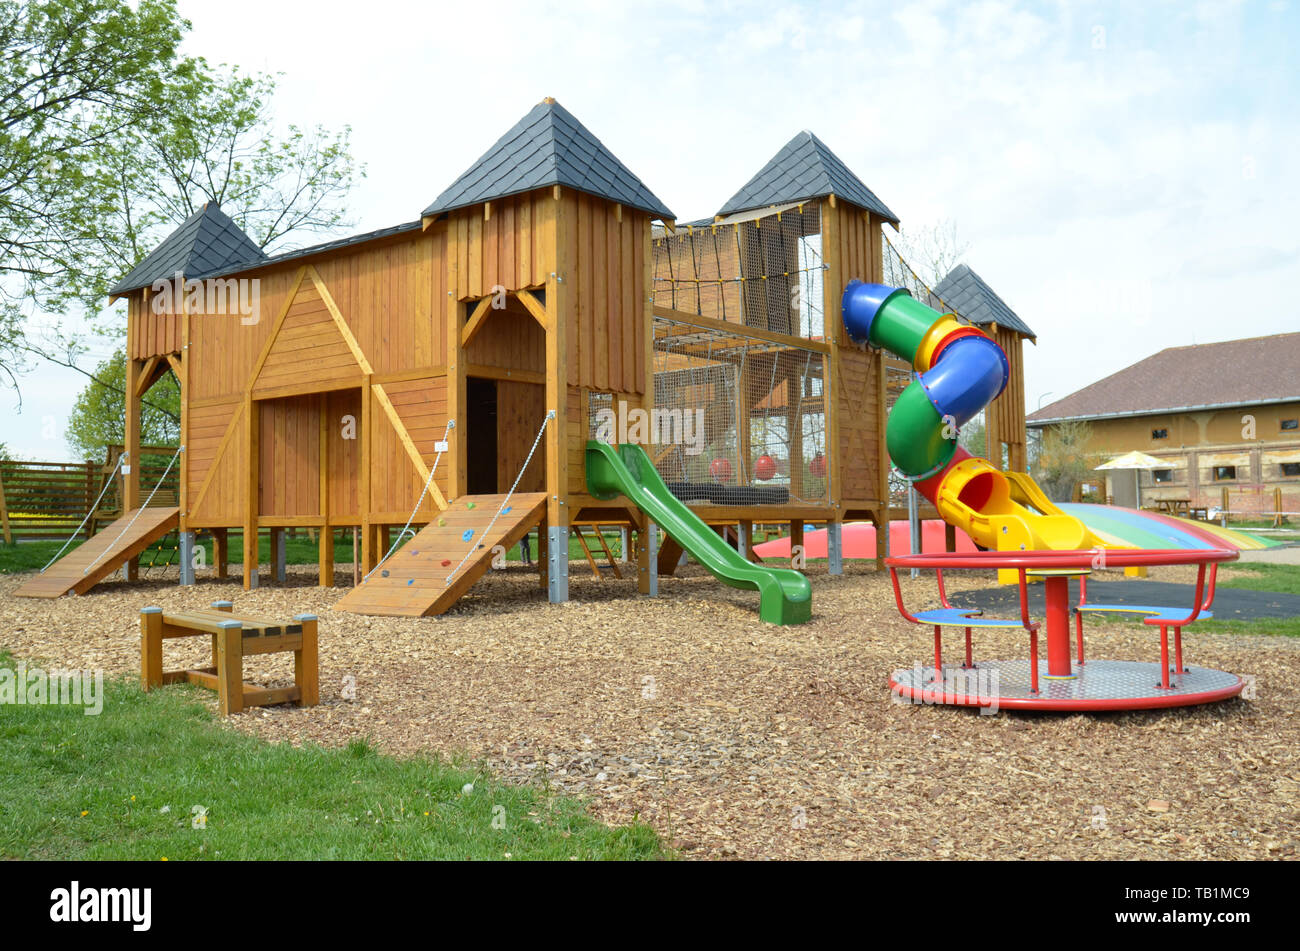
x=547, y=289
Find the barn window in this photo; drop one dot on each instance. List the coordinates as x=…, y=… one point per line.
x=1291, y=424
x=1291, y=469
x=1225, y=473
x=1162, y=475
x=1159, y=434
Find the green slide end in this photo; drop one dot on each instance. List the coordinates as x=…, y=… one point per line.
x=785, y=596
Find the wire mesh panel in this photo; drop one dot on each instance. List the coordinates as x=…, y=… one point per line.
x=761, y=269
x=738, y=420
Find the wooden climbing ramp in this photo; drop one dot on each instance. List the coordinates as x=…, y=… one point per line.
x=116, y=544
x=422, y=578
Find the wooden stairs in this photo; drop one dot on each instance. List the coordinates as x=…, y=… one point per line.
x=104, y=553
x=413, y=583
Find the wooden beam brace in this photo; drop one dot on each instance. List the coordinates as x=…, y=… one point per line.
x=530, y=301
x=481, y=311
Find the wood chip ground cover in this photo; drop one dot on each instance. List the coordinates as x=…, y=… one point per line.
x=737, y=739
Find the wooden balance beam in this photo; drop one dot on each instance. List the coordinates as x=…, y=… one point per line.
x=234, y=637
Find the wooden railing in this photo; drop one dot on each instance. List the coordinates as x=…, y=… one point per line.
x=49, y=500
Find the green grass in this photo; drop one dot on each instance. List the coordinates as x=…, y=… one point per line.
x=298, y=550
x=123, y=784
x=1264, y=576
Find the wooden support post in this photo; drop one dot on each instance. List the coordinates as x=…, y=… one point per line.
x=131, y=477
x=151, y=669
x=880, y=517
x=4, y=511
x=252, y=493
x=647, y=557
x=230, y=667
x=306, y=663
x=326, y=579
x=558, y=316
x=949, y=537
x=543, y=537
x=279, y=555
x=368, y=557
x=221, y=551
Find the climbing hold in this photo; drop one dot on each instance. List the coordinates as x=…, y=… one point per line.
x=467, y=534
x=410, y=581
x=384, y=573
x=446, y=562
x=469, y=505
x=442, y=522
x=506, y=510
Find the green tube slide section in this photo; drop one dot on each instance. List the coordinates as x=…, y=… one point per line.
x=914, y=434
x=902, y=324
x=785, y=596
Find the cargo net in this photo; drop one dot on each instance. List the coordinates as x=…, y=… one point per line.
x=738, y=420
x=761, y=269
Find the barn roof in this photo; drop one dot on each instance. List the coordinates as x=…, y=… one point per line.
x=966, y=292
x=207, y=241
x=1228, y=374
x=805, y=168
x=548, y=147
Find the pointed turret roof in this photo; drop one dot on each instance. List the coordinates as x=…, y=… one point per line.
x=548, y=147
x=966, y=292
x=804, y=168
x=206, y=242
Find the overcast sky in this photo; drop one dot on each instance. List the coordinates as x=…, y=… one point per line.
x=1126, y=177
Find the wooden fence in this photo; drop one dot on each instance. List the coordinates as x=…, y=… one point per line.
x=48, y=500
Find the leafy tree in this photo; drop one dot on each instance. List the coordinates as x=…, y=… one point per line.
x=932, y=250
x=73, y=75
x=98, y=418
x=109, y=139
x=1063, y=459
x=972, y=438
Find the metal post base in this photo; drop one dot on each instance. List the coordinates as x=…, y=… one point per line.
x=187, y=557
x=835, y=547
x=557, y=564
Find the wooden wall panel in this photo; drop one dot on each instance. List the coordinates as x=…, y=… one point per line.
x=343, y=446
x=860, y=468
x=521, y=407
x=150, y=334
x=608, y=286
x=510, y=339
x=576, y=407
x=309, y=352
x=289, y=460
x=505, y=244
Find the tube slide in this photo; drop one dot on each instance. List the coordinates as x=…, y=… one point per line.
x=958, y=371
x=785, y=596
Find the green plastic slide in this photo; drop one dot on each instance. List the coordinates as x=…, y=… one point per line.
x=785, y=597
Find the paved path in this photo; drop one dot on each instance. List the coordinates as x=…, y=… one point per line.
x=1229, y=603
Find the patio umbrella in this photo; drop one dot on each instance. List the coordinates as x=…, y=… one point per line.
x=1134, y=460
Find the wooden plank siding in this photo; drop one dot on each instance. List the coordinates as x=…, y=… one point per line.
x=851, y=243
x=1004, y=418
x=390, y=296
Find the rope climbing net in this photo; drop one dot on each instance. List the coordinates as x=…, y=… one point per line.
x=737, y=420
x=758, y=269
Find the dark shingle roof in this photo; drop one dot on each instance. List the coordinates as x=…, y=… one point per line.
x=313, y=249
x=548, y=147
x=207, y=241
x=805, y=168
x=1232, y=373
x=965, y=292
